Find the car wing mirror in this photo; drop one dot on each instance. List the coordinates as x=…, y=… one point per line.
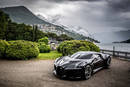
x=95, y=59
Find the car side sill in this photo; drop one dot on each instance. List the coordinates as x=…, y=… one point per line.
x=95, y=70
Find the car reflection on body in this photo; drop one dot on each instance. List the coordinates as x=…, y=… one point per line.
x=81, y=64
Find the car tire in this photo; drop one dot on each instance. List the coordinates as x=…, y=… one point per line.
x=87, y=72
x=108, y=62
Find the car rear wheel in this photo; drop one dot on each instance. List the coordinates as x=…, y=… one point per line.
x=108, y=62
x=87, y=72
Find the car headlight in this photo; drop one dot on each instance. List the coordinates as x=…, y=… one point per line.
x=55, y=62
x=56, y=59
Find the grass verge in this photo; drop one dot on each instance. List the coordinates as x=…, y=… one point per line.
x=49, y=56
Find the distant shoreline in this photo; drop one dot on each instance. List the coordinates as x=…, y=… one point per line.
x=126, y=41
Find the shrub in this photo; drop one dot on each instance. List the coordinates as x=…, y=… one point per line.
x=70, y=47
x=21, y=50
x=43, y=48
x=93, y=47
x=3, y=45
x=45, y=40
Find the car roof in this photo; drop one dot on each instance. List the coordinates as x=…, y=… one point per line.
x=88, y=52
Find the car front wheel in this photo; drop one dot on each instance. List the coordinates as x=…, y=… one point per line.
x=87, y=72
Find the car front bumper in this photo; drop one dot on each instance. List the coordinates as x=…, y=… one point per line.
x=68, y=72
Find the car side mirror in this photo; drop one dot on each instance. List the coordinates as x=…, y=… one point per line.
x=95, y=59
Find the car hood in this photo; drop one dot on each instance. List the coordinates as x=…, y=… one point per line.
x=70, y=62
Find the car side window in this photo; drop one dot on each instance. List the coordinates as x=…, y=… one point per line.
x=97, y=57
x=85, y=56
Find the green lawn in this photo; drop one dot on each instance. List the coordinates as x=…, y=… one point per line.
x=52, y=55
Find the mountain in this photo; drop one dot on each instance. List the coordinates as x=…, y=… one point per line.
x=76, y=30
x=72, y=31
x=109, y=37
x=126, y=41
x=51, y=19
x=42, y=17
x=21, y=14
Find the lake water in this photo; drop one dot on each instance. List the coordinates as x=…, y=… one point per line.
x=118, y=46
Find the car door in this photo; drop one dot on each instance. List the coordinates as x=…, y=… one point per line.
x=98, y=61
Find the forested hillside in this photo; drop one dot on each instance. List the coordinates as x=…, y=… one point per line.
x=21, y=14
x=13, y=31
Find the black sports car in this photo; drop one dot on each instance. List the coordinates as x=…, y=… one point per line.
x=81, y=64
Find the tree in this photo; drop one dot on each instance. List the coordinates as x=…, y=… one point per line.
x=64, y=37
x=13, y=31
x=52, y=35
x=4, y=19
x=35, y=28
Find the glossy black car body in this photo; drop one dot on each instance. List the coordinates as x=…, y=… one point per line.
x=81, y=64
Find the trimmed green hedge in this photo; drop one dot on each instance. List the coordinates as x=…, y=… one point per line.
x=3, y=45
x=45, y=40
x=92, y=46
x=21, y=50
x=70, y=47
x=43, y=48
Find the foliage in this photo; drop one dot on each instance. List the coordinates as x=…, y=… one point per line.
x=43, y=48
x=3, y=45
x=45, y=40
x=13, y=31
x=23, y=32
x=51, y=55
x=70, y=47
x=21, y=50
x=64, y=37
x=4, y=20
x=92, y=46
x=52, y=35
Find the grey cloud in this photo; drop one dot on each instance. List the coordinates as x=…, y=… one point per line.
x=119, y=5
x=92, y=15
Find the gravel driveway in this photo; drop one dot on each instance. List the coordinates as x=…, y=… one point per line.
x=38, y=73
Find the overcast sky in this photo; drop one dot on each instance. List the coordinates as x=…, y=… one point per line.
x=92, y=15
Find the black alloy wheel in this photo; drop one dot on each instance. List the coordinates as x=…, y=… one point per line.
x=87, y=72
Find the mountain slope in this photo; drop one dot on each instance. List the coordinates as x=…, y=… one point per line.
x=66, y=29
x=21, y=14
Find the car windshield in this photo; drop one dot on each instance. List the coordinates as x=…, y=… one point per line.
x=81, y=56
x=75, y=55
